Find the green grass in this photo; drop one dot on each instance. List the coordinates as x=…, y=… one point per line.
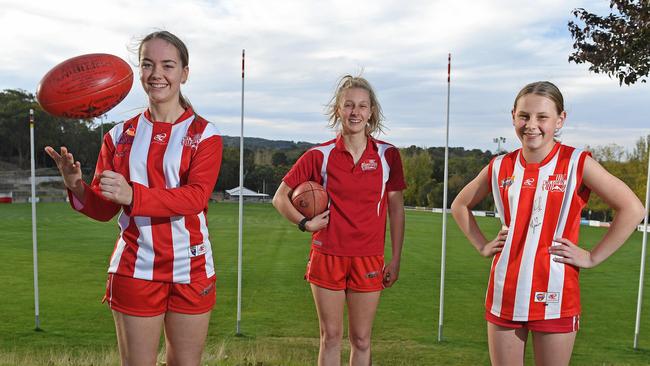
x=278, y=316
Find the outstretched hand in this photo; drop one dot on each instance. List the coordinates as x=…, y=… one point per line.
x=70, y=170
x=318, y=222
x=567, y=252
x=115, y=188
x=495, y=246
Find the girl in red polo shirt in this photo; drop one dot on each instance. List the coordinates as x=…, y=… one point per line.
x=157, y=170
x=539, y=191
x=364, y=180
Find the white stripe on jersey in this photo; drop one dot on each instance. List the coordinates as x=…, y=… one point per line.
x=123, y=222
x=326, y=150
x=174, y=153
x=496, y=166
x=385, y=170
x=535, y=225
x=181, y=244
x=209, y=264
x=556, y=276
x=501, y=267
x=144, y=261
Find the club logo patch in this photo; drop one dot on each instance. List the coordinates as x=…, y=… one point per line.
x=555, y=183
x=507, y=182
x=540, y=296
x=198, y=250
x=369, y=164
x=372, y=274
x=126, y=138
x=547, y=297
x=191, y=141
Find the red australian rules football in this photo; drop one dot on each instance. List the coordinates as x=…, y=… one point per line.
x=310, y=198
x=85, y=86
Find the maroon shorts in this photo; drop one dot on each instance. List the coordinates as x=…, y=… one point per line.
x=133, y=296
x=560, y=325
x=333, y=272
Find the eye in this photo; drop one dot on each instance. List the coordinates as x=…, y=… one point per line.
x=146, y=65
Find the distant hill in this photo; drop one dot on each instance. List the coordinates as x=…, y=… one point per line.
x=256, y=143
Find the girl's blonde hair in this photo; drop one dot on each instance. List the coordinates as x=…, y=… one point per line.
x=375, y=125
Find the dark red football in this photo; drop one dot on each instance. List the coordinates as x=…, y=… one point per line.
x=310, y=198
x=85, y=86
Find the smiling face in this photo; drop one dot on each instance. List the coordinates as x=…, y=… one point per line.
x=161, y=71
x=354, y=111
x=536, y=120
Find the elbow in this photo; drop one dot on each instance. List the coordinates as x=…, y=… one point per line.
x=456, y=207
x=640, y=212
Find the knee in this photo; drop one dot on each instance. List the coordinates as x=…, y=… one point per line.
x=331, y=338
x=360, y=342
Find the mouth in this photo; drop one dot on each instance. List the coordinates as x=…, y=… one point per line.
x=158, y=85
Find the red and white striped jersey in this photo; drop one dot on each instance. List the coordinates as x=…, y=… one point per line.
x=173, y=169
x=357, y=193
x=537, y=202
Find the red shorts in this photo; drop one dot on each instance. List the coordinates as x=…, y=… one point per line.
x=360, y=273
x=560, y=325
x=133, y=296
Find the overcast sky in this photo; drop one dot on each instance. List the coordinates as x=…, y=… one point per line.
x=296, y=51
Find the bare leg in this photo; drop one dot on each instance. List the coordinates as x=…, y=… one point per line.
x=553, y=349
x=185, y=337
x=138, y=338
x=362, y=307
x=507, y=345
x=329, y=305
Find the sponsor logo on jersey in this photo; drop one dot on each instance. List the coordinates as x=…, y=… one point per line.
x=160, y=138
x=126, y=138
x=369, y=164
x=317, y=242
x=507, y=182
x=555, y=183
x=191, y=141
x=552, y=297
x=540, y=296
x=197, y=250
x=529, y=183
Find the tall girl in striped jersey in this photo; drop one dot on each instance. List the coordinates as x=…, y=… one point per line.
x=159, y=169
x=539, y=191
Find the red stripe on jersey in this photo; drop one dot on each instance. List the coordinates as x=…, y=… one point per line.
x=524, y=212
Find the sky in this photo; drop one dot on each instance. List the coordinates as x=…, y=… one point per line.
x=297, y=50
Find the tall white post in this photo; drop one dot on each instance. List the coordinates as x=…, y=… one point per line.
x=34, y=239
x=241, y=200
x=639, y=301
x=444, y=211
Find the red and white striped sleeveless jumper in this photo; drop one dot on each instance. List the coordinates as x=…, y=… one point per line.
x=537, y=202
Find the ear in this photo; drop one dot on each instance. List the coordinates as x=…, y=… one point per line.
x=560, y=121
x=186, y=73
x=512, y=114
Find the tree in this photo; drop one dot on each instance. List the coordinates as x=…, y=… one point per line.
x=617, y=44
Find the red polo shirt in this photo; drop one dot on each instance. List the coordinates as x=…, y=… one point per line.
x=358, y=194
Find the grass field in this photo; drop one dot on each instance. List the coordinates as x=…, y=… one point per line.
x=278, y=316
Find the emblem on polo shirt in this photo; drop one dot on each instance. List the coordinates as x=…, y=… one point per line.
x=555, y=183
x=197, y=250
x=369, y=164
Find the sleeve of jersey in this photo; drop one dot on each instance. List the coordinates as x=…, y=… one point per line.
x=188, y=199
x=94, y=205
x=302, y=170
x=396, y=178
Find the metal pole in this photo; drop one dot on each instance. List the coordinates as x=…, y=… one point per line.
x=444, y=211
x=34, y=239
x=241, y=200
x=639, y=301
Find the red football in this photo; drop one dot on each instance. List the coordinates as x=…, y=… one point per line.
x=85, y=86
x=310, y=198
